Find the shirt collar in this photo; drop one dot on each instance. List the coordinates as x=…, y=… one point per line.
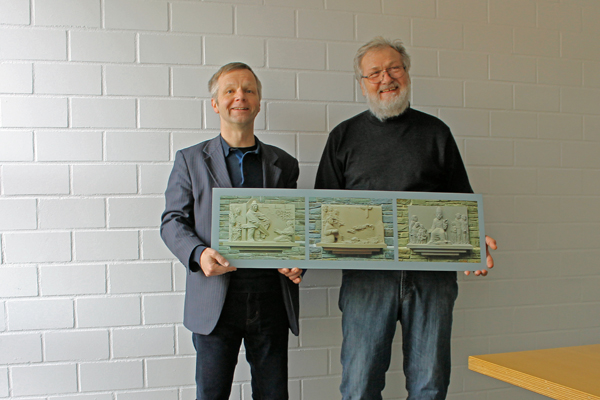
x=227, y=149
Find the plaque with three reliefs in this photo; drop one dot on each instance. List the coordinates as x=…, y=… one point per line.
x=339, y=229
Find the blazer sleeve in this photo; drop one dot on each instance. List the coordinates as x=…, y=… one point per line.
x=177, y=227
x=292, y=181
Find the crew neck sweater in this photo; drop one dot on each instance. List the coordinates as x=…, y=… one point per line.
x=413, y=151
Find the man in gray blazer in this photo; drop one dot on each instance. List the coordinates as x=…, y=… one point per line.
x=224, y=305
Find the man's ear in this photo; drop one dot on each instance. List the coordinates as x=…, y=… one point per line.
x=215, y=105
x=362, y=87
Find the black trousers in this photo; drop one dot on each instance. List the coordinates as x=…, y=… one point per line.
x=260, y=320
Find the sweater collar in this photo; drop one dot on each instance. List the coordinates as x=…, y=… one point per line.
x=389, y=121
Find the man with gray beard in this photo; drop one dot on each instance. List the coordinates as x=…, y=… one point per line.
x=394, y=147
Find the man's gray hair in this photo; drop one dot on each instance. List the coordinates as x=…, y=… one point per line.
x=380, y=42
x=213, y=83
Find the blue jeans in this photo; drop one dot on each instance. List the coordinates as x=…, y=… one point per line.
x=261, y=321
x=372, y=302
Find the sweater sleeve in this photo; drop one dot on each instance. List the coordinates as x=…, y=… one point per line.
x=330, y=174
x=457, y=179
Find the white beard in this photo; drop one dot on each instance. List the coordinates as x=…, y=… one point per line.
x=384, y=109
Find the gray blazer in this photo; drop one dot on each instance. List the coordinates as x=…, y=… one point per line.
x=186, y=224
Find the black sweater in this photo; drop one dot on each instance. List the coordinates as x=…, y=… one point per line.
x=411, y=152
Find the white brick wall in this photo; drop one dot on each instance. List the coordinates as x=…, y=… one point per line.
x=96, y=96
x=14, y=12
x=296, y=54
x=265, y=21
x=165, y=49
x=111, y=375
x=21, y=348
x=137, y=212
x=106, y=245
x=136, y=15
x=76, y=345
x=72, y=279
x=68, y=12
x=69, y=146
x=102, y=46
x=136, y=278
x=136, y=80
x=29, y=112
x=104, y=179
x=202, y=18
x=16, y=78
x=71, y=213
x=171, y=371
x=17, y=214
x=33, y=314
x=103, y=113
x=18, y=281
x=33, y=44
x=95, y=312
x=16, y=146
x=42, y=379
x=141, y=342
x=37, y=247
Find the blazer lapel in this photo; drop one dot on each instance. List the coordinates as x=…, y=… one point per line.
x=271, y=172
x=215, y=163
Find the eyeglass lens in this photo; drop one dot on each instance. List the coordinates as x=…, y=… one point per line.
x=393, y=72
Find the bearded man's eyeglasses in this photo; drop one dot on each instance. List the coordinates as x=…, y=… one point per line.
x=393, y=72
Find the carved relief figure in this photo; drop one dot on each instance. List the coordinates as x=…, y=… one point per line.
x=421, y=233
x=438, y=228
x=286, y=234
x=256, y=224
x=465, y=230
x=235, y=226
x=352, y=228
x=455, y=229
x=356, y=228
x=331, y=226
x=413, y=229
x=265, y=226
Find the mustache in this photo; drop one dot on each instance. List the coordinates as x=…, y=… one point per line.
x=384, y=109
x=387, y=87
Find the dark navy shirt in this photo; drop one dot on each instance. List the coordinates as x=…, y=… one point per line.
x=244, y=165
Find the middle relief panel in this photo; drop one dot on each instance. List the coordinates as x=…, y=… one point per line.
x=351, y=228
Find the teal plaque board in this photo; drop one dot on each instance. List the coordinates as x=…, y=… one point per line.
x=348, y=229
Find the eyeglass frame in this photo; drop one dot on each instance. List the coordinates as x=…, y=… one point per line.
x=386, y=71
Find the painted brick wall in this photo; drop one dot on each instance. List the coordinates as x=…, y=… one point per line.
x=97, y=95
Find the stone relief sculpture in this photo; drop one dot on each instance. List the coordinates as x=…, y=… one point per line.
x=455, y=229
x=255, y=226
x=465, y=230
x=445, y=237
x=417, y=231
x=437, y=233
x=235, y=225
x=352, y=229
x=287, y=234
x=331, y=225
